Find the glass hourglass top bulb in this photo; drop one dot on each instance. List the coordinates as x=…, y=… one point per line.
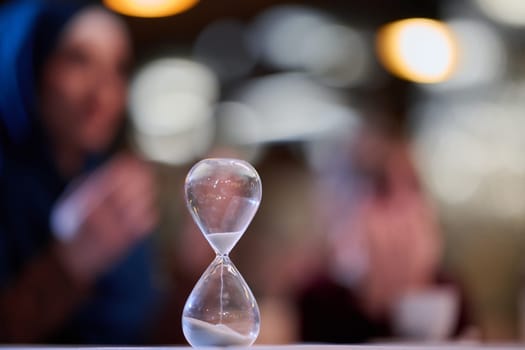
x=222, y=196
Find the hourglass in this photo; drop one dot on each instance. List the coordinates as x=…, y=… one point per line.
x=222, y=196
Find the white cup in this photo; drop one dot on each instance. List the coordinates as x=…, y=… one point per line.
x=428, y=315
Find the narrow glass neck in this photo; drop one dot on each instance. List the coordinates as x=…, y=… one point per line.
x=222, y=259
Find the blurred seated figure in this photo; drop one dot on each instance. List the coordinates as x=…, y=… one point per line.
x=382, y=276
x=75, y=215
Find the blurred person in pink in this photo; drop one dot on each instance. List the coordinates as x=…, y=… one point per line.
x=383, y=251
x=75, y=258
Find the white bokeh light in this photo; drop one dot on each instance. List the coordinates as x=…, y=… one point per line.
x=292, y=37
x=510, y=12
x=171, y=107
x=424, y=50
x=482, y=57
x=292, y=107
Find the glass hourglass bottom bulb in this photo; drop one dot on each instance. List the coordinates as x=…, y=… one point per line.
x=221, y=309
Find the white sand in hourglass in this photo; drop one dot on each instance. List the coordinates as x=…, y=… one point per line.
x=224, y=241
x=207, y=334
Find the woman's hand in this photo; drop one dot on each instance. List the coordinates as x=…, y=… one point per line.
x=115, y=208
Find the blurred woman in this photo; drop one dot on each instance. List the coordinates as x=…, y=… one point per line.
x=383, y=275
x=74, y=215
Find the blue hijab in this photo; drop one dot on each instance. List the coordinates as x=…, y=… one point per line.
x=29, y=30
x=30, y=184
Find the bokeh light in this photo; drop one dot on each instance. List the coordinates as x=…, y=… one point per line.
x=510, y=12
x=309, y=40
x=465, y=160
x=338, y=56
x=280, y=34
x=171, y=106
x=239, y=128
x=150, y=8
x=293, y=107
x=418, y=49
x=482, y=60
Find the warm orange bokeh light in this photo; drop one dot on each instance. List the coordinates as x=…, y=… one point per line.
x=150, y=8
x=418, y=49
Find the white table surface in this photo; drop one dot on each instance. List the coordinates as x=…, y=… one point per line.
x=407, y=346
